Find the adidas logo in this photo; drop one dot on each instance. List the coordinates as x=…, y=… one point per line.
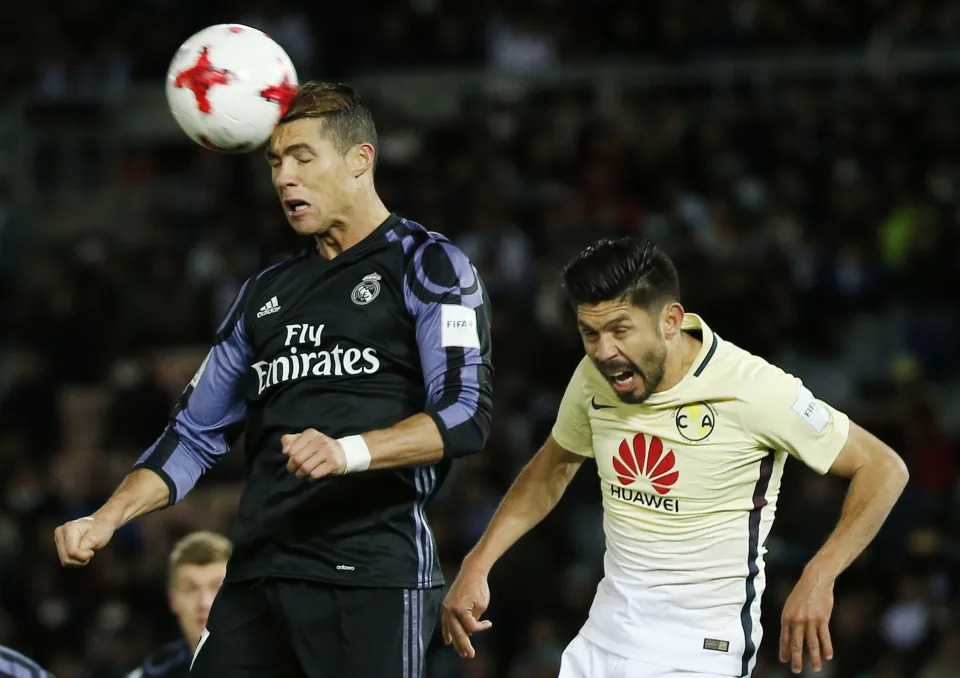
x=271, y=306
x=639, y=460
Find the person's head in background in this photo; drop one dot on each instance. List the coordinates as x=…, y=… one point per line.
x=198, y=564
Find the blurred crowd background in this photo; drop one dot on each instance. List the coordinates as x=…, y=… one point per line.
x=800, y=160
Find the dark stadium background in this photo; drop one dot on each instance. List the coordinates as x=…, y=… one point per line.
x=799, y=159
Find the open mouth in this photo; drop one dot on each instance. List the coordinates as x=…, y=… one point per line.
x=295, y=207
x=623, y=382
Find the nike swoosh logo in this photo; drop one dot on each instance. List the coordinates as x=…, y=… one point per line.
x=598, y=406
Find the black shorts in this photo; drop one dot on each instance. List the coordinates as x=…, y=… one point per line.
x=285, y=628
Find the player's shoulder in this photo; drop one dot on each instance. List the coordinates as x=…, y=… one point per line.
x=435, y=266
x=170, y=661
x=743, y=365
x=262, y=280
x=723, y=362
x=425, y=249
x=271, y=272
x=755, y=383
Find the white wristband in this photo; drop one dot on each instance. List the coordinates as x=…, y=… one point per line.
x=357, y=453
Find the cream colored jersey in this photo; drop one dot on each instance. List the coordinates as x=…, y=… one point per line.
x=690, y=479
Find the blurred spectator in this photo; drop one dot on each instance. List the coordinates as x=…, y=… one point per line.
x=521, y=43
x=137, y=408
x=11, y=241
x=946, y=662
x=289, y=27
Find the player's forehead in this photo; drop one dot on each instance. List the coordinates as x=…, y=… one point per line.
x=599, y=315
x=305, y=134
x=199, y=574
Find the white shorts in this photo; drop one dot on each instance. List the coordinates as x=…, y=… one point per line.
x=583, y=659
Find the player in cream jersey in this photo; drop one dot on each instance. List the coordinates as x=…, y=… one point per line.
x=689, y=480
x=690, y=434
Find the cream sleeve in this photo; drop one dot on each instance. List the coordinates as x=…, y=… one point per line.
x=779, y=412
x=572, y=429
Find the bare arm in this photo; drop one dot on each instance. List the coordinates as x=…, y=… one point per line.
x=877, y=477
x=414, y=441
x=533, y=495
x=203, y=424
x=142, y=491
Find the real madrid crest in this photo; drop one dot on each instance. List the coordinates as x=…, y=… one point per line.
x=695, y=421
x=367, y=290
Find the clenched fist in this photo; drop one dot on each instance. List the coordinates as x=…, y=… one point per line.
x=78, y=539
x=313, y=455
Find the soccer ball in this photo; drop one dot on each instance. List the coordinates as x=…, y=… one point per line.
x=228, y=85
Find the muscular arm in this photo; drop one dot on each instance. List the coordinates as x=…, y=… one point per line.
x=208, y=416
x=533, y=495
x=535, y=492
x=877, y=477
x=141, y=492
x=414, y=441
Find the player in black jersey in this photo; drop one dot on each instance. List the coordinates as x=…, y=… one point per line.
x=358, y=370
x=198, y=564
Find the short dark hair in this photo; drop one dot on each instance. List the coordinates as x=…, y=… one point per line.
x=346, y=119
x=627, y=268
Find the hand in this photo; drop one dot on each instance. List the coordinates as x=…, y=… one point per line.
x=466, y=601
x=78, y=539
x=806, y=621
x=313, y=455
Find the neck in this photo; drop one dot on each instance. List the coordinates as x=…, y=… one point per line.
x=680, y=357
x=347, y=231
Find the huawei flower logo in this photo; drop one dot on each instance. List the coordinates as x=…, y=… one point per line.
x=636, y=461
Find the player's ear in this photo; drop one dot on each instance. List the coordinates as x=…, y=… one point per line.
x=671, y=319
x=361, y=158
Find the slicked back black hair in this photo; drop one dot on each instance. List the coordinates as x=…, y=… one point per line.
x=625, y=269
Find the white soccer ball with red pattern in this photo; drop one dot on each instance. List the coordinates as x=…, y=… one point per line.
x=228, y=85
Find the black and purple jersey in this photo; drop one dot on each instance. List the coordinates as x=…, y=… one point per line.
x=395, y=325
x=15, y=665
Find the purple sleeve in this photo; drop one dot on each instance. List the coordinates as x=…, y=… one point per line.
x=446, y=297
x=210, y=413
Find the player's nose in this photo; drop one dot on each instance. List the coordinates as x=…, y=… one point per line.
x=606, y=348
x=287, y=176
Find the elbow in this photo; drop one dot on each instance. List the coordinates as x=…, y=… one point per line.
x=467, y=437
x=888, y=470
x=898, y=473
x=465, y=422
